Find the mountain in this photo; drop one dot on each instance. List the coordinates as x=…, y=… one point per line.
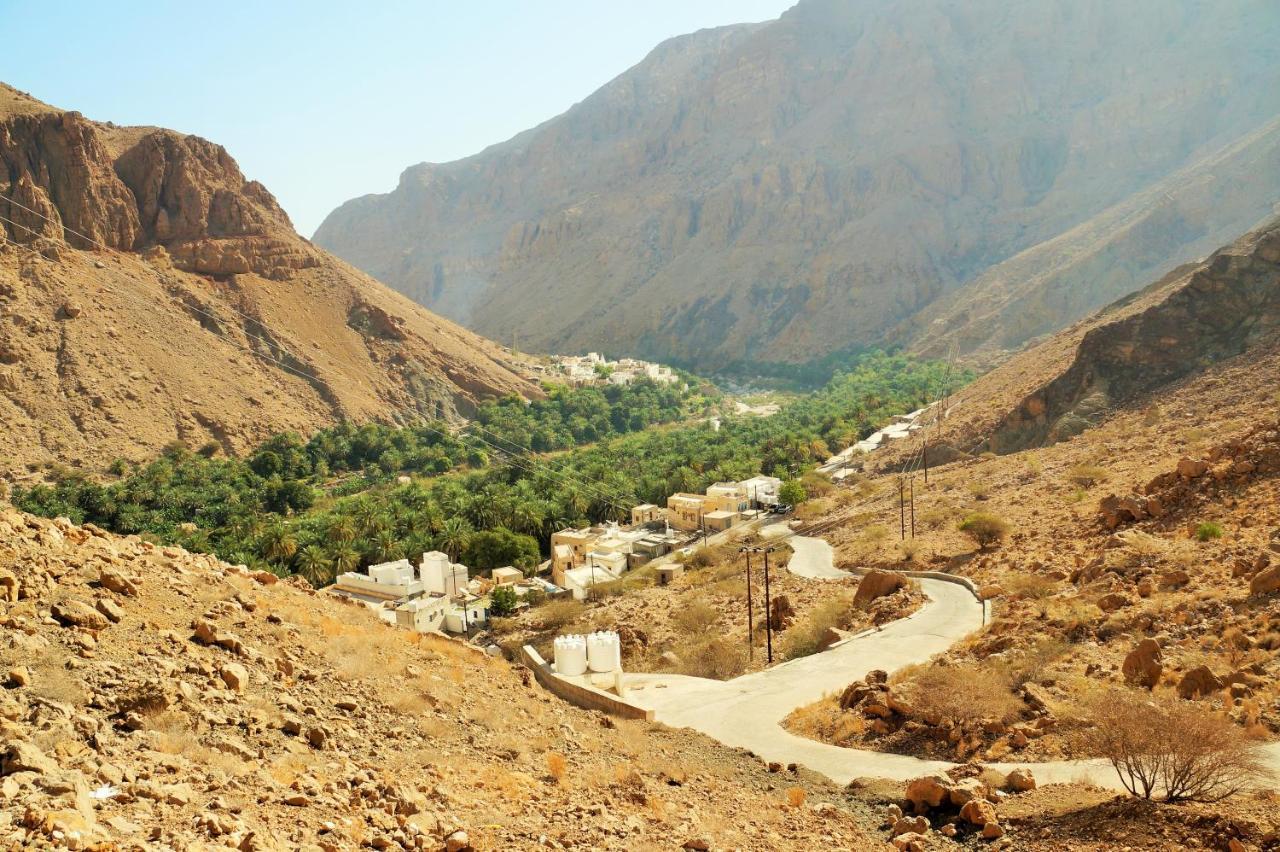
x=854, y=173
x=150, y=293
x=1217, y=316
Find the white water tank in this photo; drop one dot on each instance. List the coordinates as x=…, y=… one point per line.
x=604, y=652
x=570, y=655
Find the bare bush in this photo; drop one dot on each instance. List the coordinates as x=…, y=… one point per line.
x=695, y=616
x=1087, y=475
x=807, y=637
x=718, y=658
x=965, y=693
x=985, y=528
x=1173, y=750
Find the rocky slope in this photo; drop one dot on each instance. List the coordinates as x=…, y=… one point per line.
x=156, y=699
x=851, y=174
x=150, y=293
x=1126, y=355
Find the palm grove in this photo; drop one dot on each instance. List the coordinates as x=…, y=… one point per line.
x=490, y=494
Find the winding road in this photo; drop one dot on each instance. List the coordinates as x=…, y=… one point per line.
x=748, y=711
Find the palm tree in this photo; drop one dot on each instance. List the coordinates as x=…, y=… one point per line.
x=313, y=562
x=386, y=545
x=345, y=558
x=454, y=536
x=278, y=544
x=341, y=531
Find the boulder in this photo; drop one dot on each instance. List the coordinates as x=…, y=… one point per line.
x=74, y=613
x=978, y=812
x=928, y=791
x=992, y=830
x=1114, y=601
x=1192, y=468
x=9, y=586
x=1198, y=682
x=20, y=756
x=1142, y=666
x=234, y=676
x=877, y=584
x=1021, y=780
x=965, y=791
x=110, y=609
x=18, y=676
x=116, y=582
x=1265, y=582
x=910, y=825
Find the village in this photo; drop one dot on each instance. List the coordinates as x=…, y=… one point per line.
x=440, y=595
x=594, y=369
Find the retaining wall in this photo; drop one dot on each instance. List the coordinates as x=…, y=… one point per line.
x=575, y=693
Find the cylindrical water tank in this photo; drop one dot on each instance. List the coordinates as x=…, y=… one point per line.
x=604, y=651
x=570, y=655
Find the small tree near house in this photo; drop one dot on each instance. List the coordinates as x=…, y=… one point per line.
x=502, y=601
x=793, y=492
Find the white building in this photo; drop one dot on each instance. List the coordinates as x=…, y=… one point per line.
x=441, y=575
x=389, y=581
x=423, y=614
x=762, y=490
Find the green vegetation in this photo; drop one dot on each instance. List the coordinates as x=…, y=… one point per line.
x=1208, y=531
x=336, y=502
x=502, y=601
x=793, y=492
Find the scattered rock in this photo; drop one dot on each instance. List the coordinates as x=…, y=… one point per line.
x=1198, y=682
x=876, y=584
x=1142, y=666
x=74, y=613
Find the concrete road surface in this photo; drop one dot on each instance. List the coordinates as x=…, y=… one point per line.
x=748, y=710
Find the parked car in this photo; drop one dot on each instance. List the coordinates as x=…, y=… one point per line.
x=783, y=509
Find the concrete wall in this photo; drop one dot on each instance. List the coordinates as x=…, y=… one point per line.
x=582, y=696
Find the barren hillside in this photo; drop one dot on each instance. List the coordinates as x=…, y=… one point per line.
x=150, y=293
x=156, y=699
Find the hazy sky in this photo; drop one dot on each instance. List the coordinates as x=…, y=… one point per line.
x=326, y=100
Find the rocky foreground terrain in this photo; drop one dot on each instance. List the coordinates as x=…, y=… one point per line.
x=156, y=699
x=851, y=174
x=150, y=293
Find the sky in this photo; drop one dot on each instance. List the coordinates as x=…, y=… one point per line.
x=324, y=101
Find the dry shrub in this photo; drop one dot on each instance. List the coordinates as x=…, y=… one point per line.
x=1173, y=750
x=717, y=658
x=985, y=528
x=556, y=766
x=805, y=638
x=796, y=797
x=979, y=489
x=1087, y=475
x=1032, y=587
x=695, y=616
x=555, y=614
x=965, y=693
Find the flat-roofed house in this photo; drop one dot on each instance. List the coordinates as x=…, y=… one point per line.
x=647, y=513
x=685, y=511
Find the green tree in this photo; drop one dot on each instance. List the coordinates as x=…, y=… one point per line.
x=455, y=533
x=502, y=600
x=314, y=564
x=793, y=492
x=499, y=547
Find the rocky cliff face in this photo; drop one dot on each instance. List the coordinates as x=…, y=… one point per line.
x=150, y=293
x=1209, y=313
x=784, y=190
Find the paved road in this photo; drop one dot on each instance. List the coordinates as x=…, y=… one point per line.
x=748, y=711
x=812, y=557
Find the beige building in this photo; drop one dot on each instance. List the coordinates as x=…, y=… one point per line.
x=685, y=511
x=647, y=513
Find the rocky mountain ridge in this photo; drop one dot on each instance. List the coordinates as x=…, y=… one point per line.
x=851, y=174
x=150, y=293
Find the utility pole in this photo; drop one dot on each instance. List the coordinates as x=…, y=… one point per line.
x=913, y=507
x=902, y=509
x=751, y=629
x=926, y=459
x=768, y=606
